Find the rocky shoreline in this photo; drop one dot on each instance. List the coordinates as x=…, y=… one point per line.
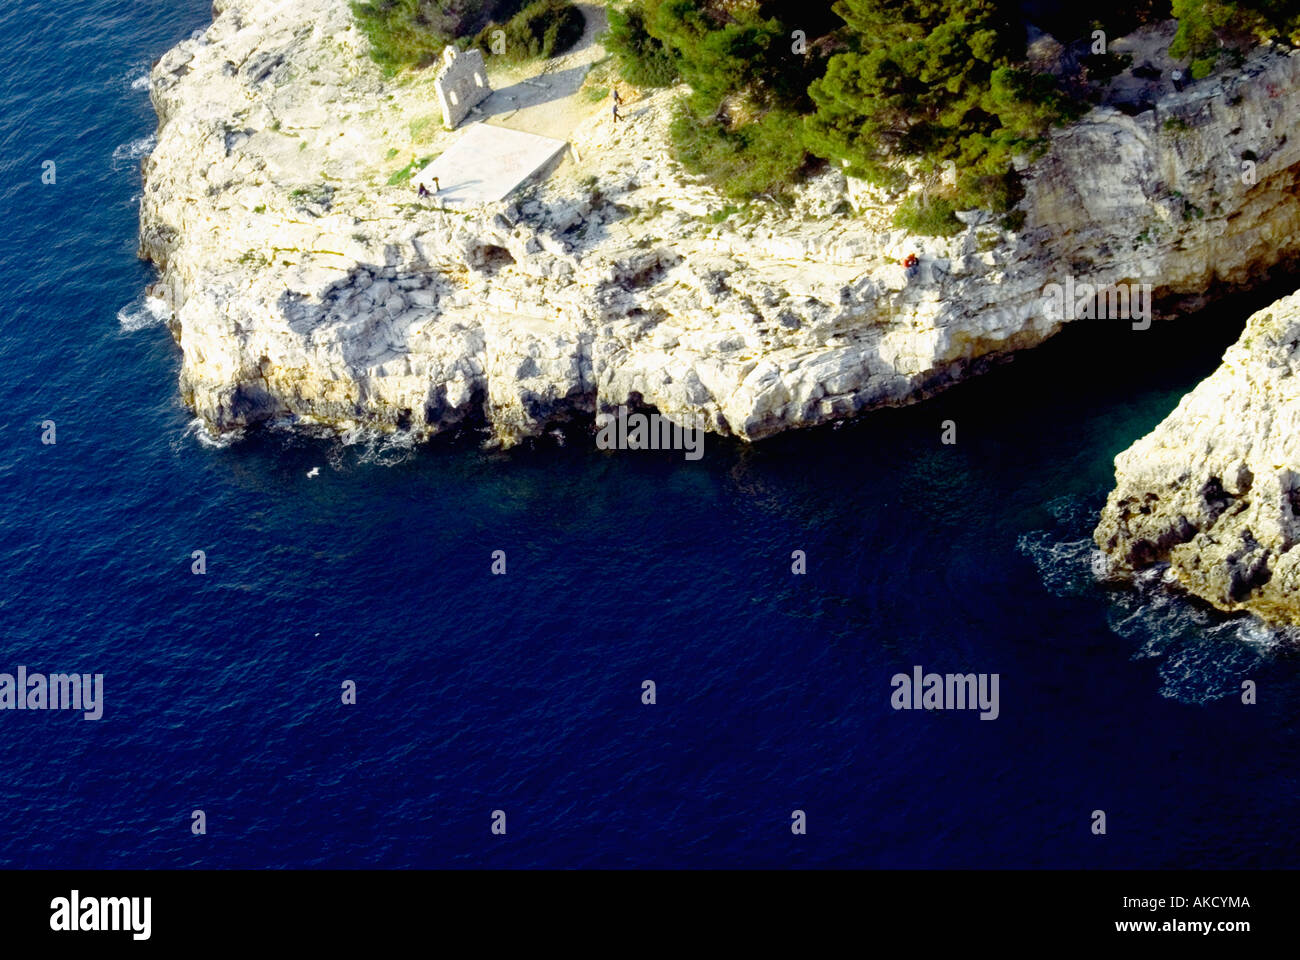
x=1211, y=497
x=304, y=285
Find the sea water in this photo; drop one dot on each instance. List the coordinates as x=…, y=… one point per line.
x=367, y=560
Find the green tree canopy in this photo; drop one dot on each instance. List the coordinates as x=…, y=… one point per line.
x=1203, y=25
x=931, y=82
x=723, y=49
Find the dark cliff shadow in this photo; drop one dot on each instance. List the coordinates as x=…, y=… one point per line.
x=383, y=304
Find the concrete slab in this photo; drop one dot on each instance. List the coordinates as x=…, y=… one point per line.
x=487, y=163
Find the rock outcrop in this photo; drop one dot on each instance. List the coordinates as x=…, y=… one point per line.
x=1214, y=491
x=308, y=283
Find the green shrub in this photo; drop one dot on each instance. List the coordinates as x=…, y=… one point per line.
x=1103, y=67
x=1203, y=25
x=931, y=217
x=412, y=33
x=543, y=29
x=642, y=59
x=764, y=156
x=927, y=84
x=1014, y=220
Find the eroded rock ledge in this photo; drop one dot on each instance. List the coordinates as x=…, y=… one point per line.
x=304, y=286
x=1214, y=491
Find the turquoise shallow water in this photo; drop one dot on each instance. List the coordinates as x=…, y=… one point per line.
x=522, y=692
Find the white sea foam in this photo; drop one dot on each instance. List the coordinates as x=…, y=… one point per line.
x=134, y=79
x=133, y=150
x=1068, y=568
x=378, y=447
x=197, y=430
x=1200, y=654
x=347, y=446
x=142, y=312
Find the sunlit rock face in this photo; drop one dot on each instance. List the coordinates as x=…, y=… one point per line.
x=1214, y=490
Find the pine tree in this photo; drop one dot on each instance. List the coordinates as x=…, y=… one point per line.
x=927, y=83
x=721, y=52
x=1204, y=24
x=642, y=58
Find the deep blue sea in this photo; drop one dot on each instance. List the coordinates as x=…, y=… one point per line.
x=522, y=692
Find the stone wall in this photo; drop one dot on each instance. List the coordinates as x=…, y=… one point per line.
x=461, y=84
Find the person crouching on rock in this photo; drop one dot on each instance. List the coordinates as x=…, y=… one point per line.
x=911, y=266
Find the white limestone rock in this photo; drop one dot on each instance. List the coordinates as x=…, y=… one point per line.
x=1214, y=490
x=304, y=284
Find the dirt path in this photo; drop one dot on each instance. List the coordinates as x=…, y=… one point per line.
x=544, y=99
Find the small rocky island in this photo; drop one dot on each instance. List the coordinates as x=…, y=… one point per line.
x=308, y=281
x=1212, y=495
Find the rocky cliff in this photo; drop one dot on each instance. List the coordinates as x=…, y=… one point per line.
x=307, y=282
x=1214, y=491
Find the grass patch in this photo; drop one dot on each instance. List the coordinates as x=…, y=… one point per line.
x=404, y=175
x=423, y=128
x=253, y=258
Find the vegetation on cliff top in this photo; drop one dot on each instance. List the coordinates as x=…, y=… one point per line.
x=931, y=94
x=544, y=28
x=413, y=33
x=902, y=93
x=1206, y=27
x=893, y=90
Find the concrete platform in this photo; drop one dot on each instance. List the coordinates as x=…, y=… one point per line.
x=487, y=163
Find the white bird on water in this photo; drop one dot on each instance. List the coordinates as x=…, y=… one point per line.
x=314, y=472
